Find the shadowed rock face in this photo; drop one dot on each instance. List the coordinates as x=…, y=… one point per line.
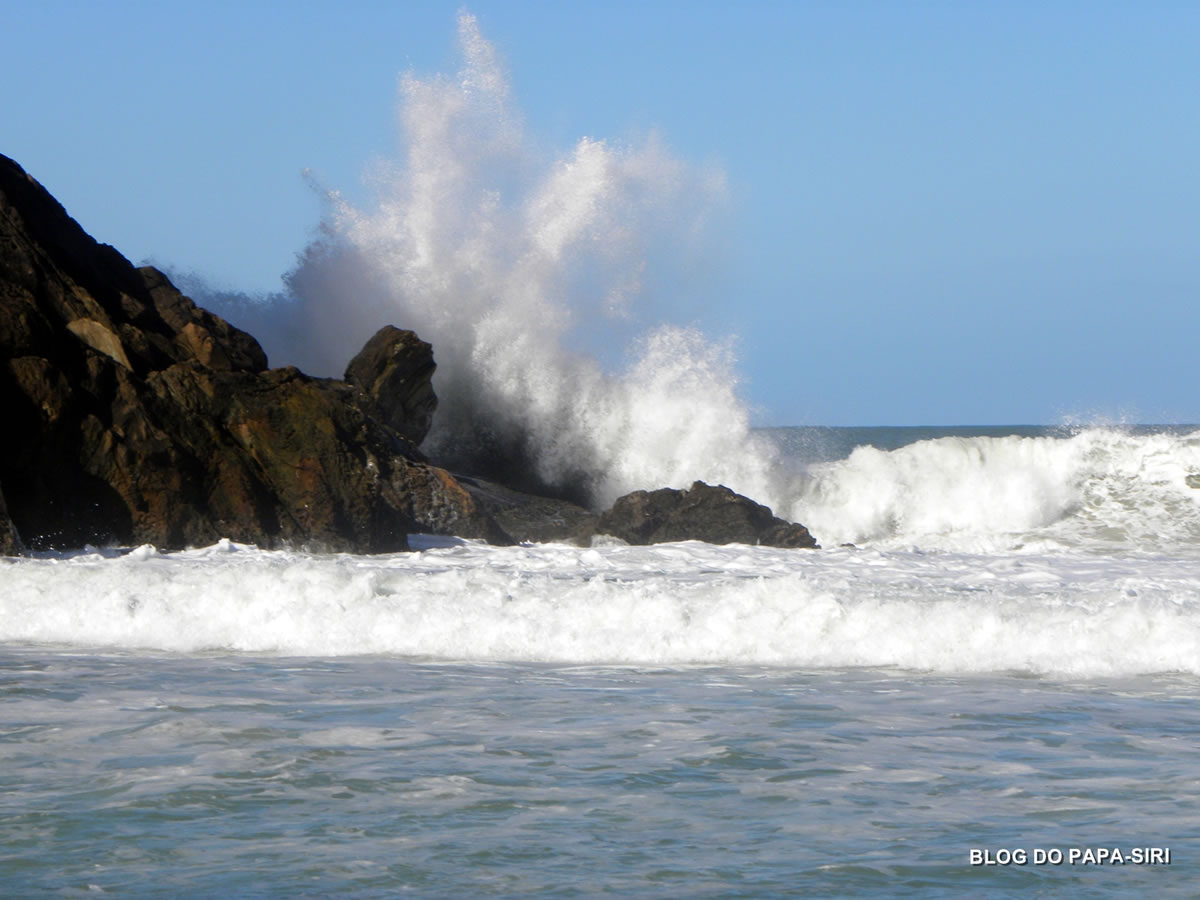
x=701, y=513
x=134, y=416
x=395, y=369
x=10, y=541
x=531, y=517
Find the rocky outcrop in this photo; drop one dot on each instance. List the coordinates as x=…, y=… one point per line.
x=133, y=416
x=395, y=369
x=10, y=541
x=701, y=513
x=530, y=517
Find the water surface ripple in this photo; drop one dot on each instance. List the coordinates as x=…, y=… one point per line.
x=141, y=775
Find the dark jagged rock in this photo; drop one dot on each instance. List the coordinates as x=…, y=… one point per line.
x=701, y=513
x=530, y=517
x=505, y=455
x=394, y=369
x=10, y=541
x=134, y=416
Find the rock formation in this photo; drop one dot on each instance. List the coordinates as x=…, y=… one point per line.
x=395, y=369
x=700, y=513
x=531, y=517
x=10, y=541
x=133, y=416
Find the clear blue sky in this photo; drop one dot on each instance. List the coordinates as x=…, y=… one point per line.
x=941, y=213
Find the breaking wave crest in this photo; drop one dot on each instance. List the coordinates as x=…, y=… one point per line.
x=541, y=279
x=1101, y=488
x=669, y=605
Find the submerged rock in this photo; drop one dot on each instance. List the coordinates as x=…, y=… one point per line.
x=134, y=416
x=703, y=512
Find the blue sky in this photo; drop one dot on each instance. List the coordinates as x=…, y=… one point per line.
x=939, y=213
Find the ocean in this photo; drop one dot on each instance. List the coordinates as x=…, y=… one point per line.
x=985, y=684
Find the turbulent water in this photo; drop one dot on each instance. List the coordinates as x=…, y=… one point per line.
x=1101, y=489
x=1044, y=553
x=1007, y=659
x=543, y=278
x=996, y=655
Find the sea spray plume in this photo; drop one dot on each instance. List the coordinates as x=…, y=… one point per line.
x=505, y=262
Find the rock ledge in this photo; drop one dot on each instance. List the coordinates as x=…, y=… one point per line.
x=702, y=512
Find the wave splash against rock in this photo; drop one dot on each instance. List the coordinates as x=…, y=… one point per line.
x=543, y=279
x=141, y=418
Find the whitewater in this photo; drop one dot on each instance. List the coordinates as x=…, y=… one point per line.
x=1019, y=672
x=1073, y=555
x=997, y=648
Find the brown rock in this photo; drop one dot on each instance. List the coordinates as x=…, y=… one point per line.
x=10, y=541
x=134, y=416
x=715, y=515
x=531, y=517
x=395, y=369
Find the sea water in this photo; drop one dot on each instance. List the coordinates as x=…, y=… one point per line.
x=1013, y=674
x=984, y=685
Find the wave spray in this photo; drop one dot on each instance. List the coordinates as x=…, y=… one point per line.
x=513, y=264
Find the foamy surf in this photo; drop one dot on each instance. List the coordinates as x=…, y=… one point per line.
x=675, y=604
x=1105, y=489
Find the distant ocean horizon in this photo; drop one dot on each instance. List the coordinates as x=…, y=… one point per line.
x=836, y=441
x=998, y=651
x=984, y=684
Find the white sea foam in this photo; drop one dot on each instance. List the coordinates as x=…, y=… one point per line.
x=1102, y=488
x=515, y=262
x=674, y=604
x=981, y=552
x=524, y=268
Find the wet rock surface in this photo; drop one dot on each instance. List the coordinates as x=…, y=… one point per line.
x=395, y=369
x=703, y=512
x=530, y=517
x=10, y=541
